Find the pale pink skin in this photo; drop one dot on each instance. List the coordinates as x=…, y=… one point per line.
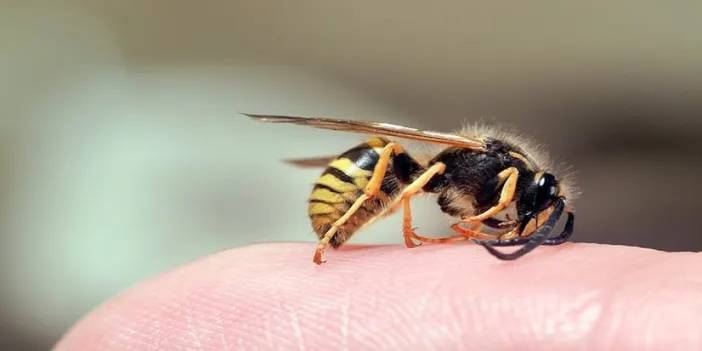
x=435, y=297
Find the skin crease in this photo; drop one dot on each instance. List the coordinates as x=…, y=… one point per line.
x=437, y=297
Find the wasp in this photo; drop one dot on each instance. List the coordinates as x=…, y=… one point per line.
x=477, y=175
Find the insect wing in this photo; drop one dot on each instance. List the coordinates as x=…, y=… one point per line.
x=311, y=162
x=375, y=128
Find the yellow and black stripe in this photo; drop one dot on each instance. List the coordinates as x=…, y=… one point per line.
x=341, y=183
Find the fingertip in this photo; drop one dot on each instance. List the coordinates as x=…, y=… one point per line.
x=271, y=296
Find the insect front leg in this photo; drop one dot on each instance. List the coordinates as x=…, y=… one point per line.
x=539, y=237
x=509, y=176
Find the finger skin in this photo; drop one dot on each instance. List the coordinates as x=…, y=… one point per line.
x=441, y=297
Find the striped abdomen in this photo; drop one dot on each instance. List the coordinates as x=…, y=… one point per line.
x=341, y=183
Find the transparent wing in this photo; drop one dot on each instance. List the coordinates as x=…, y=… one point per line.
x=311, y=162
x=375, y=128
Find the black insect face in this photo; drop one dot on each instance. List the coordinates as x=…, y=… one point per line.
x=546, y=191
x=541, y=193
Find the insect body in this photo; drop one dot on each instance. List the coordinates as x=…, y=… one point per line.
x=476, y=178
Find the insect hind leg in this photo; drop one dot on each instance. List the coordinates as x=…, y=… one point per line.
x=370, y=191
x=324, y=241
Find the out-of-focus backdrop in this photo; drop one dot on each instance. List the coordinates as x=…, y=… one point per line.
x=122, y=153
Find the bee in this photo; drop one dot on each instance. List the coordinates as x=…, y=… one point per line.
x=477, y=175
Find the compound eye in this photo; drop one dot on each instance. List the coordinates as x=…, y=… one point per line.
x=547, y=191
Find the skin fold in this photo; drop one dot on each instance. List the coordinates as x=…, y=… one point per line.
x=437, y=297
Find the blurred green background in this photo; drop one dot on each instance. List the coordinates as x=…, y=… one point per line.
x=122, y=153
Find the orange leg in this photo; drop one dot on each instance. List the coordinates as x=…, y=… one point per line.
x=472, y=233
x=370, y=191
x=529, y=229
x=509, y=176
x=406, y=197
x=409, y=234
